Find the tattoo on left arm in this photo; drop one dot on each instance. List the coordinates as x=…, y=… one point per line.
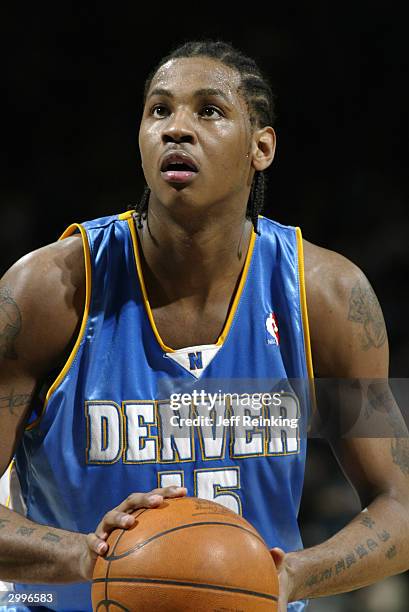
x=391, y=552
x=361, y=550
x=400, y=453
x=381, y=400
x=364, y=308
x=367, y=521
x=10, y=324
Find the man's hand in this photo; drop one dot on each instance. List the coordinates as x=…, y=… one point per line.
x=121, y=518
x=284, y=578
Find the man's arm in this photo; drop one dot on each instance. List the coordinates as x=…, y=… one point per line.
x=350, y=347
x=41, y=304
x=41, y=300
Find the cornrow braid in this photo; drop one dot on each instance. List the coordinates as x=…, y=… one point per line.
x=255, y=90
x=141, y=208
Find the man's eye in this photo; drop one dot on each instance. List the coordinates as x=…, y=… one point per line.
x=159, y=111
x=211, y=112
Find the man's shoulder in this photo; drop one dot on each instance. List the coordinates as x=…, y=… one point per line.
x=328, y=273
x=344, y=315
x=45, y=292
x=59, y=263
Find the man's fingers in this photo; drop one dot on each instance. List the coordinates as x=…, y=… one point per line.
x=150, y=500
x=98, y=546
x=172, y=491
x=120, y=517
x=278, y=556
x=140, y=500
x=115, y=519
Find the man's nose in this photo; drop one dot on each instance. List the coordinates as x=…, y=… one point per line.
x=179, y=128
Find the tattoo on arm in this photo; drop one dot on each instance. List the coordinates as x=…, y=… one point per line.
x=391, y=552
x=384, y=536
x=364, y=308
x=14, y=400
x=400, y=454
x=360, y=551
x=10, y=324
x=400, y=441
x=25, y=531
x=381, y=400
x=367, y=521
x=52, y=537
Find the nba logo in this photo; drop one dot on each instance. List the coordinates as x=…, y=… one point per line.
x=273, y=336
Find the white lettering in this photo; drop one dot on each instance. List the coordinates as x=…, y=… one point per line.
x=104, y=432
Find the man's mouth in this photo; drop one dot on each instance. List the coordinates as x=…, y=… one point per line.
x=178, y=167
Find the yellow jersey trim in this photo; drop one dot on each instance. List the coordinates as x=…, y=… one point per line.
x=303, y=303
x=232, y=312
x=131, y=224
x=239, y=291
x=8, y=501
x=125, y=215
x=87, y=258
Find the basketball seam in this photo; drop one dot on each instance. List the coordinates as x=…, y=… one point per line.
x=180, y=527
x=110, y=559
x=104, y=602
x=197, y=585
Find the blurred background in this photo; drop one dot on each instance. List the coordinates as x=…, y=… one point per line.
x=72, y=83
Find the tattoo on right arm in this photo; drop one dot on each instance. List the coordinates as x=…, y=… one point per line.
x=14, y=400
x=52, y=537
x=25, y=531
x=10, y=324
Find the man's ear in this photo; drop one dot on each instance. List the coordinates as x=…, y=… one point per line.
x=264, y=146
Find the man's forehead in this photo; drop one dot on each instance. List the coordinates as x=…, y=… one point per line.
x=196, y=73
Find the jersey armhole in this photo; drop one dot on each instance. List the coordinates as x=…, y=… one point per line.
x=303, y=303
x=87, y=261
x=304, y=317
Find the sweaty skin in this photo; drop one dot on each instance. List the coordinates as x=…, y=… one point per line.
x=193, y=253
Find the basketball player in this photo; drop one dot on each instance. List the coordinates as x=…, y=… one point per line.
x=190, y=288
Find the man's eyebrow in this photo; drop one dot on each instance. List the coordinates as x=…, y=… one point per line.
x=199, y=93
x=210, y=91
x=160, y=91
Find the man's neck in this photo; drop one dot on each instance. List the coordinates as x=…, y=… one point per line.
x=182, y=259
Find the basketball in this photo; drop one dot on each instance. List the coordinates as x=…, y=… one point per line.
x=189, y=554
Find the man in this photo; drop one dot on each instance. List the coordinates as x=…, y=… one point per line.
x=191, y=291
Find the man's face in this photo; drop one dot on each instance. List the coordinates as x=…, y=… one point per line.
x=195, y=135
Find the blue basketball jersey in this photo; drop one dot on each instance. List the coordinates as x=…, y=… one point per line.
x=128, y=413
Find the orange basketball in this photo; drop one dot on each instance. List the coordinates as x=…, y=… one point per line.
x=188, y=555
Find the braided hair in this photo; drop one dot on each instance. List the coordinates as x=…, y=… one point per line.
x=256, y=92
